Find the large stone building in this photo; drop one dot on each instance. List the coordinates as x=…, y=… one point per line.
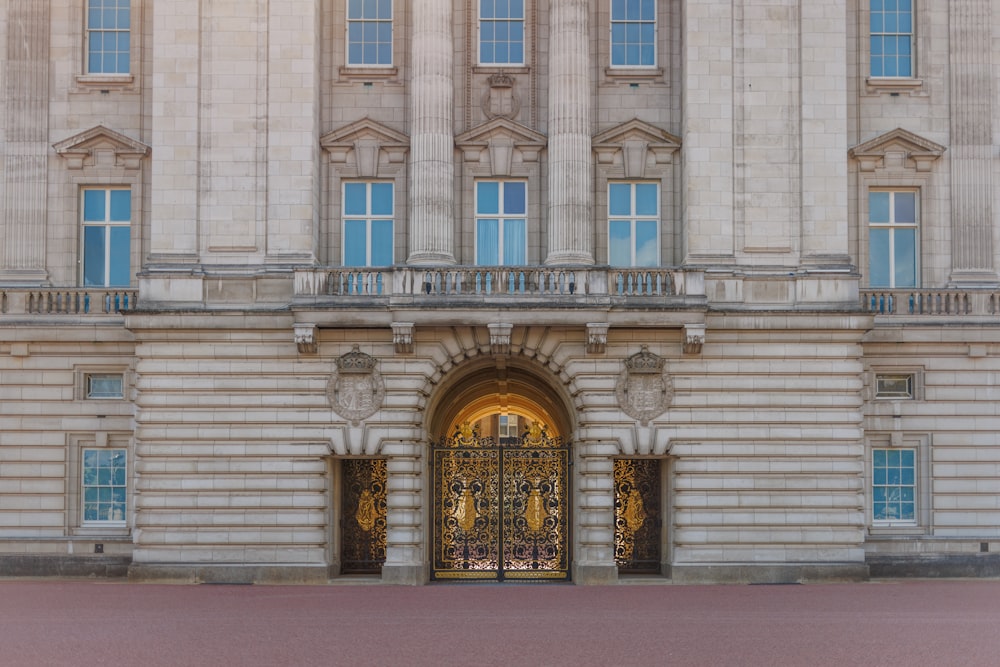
x=503, y=289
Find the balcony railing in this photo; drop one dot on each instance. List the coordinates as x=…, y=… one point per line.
x=497, y=282
x=942, y=302
x=66, y=301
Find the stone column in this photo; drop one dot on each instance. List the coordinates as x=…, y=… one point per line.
x=594, y=561
x=571, y=236
x=406, y=561
x=971, y=151
x=432, y=145
x=25, y=152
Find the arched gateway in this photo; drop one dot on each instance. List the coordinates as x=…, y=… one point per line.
x=500, y=486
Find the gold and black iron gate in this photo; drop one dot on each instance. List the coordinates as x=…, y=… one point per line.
x=363, y=511
x=637, y=515
x=501, y=508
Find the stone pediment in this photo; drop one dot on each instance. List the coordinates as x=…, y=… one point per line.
x=101, y=146
x=365, y=141
x=501, y=137
x=635, y=140
x=914, y=151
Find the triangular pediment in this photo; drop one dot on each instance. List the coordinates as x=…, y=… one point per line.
x=364, y=129
x=86, y=148
x=898, y=140
x=500, y=128
x=636, y=130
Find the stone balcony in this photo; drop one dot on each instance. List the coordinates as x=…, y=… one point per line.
x=929, y=304
x=66, y=302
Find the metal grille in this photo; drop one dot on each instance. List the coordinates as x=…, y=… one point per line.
x=637, y=515
x=363, y=532
x=501, y=510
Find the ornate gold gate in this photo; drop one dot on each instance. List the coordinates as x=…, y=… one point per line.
x=363, y=510
x=637, y=515
x=501, y=508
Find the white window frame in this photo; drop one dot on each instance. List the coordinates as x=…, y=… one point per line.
x=893, y=226
x=116, y=521
x=501, y=217
x=920, y=444
x=107, y=224
x=524, y=38
x=90, y=32
x=611, y=41
x=910, y=35
x=883, y=379
x=91, y=394
x=368, y=219
x=347, y=38
x=913, y=486
x=634, y=218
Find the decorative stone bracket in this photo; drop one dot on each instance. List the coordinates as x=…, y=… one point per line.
x=500, y=337
x=597, y=337
x=305, y=337
x=694, y=338
x=402, y=337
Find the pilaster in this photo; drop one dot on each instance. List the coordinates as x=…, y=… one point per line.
x=570, y=160
x=405, y=562
x=594, y=560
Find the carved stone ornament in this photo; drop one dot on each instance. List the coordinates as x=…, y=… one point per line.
x=356, y=389
x=500, y=100
x=644, y=389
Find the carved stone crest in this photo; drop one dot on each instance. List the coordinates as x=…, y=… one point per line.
x=644, y=389
x=356, y=389
x=500, y=100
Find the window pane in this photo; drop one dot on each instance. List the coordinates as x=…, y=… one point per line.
x=355, y=243
x=120, y=260
x=619, y=243
x=645, y=243
x=620, y=199
x=385, y=9
x=93, y=256
x=906, y=207
x=381, y=198
x=487, y=242
x=878, y=206
x=645, y=199
x=93, y=205
x=354, y=199
x=514, y=243
x=354, y=9
x=513, y=199
x=906, y=258
x=487, y=197
x=617, y=10
x=381, y=243
x=121, y=205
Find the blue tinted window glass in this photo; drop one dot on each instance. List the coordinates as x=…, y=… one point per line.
x=648, y=12
x=382, y=243
x=94, y=16
x=486, y=33
x=875, y=22
x=487, y=197
x=514, y=243
x=121, y=205
x=502, y=8
x=486, y=52
x=354, y=199
x=120, y=260
x=513, y=199
x=354, y=9
x=878, y=260
x=370, y=32
x=516, y=53
x=620, y=199
x=501, y=53
x=878, y=457
x=385, y=9
x=645, y=199
x=93, y=205
x=907, y=457
x=905, y=258
x=486, y=9
x=633, y=32
x=617, y=10
x=878, y=475
x=906, y=206
x=619, y=243
x=878, y=207
x=500, y=31
x=355, y=243
x=487, y=242
x=646, y=253
x=93, y=256
x=381, y=198
x=516, y=29
x=517, y=9
x=122, y=66
x=370, y=53
x=632, y=10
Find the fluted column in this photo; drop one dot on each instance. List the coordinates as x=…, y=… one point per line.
x=432, y=169
x=24, y=154
x=569, y=152
x=971, y=150
x=405, y=561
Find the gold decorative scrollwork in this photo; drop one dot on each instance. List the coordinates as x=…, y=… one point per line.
x=637, y=523
x=363, y=539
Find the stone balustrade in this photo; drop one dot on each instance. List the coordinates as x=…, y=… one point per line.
x=67, y=301
x=950, y=302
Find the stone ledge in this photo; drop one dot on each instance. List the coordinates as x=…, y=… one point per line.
x=227, y=574
x=931, y=566
x=769, y=573
x=27, y=565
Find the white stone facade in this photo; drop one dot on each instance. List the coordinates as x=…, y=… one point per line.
x=236, y=129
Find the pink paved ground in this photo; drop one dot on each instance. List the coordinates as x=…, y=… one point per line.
x=101, y=623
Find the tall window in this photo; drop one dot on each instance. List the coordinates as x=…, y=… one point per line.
x=633, y=33
x=892, y=238
x=894, y=485
x=501, y=32
x=368, y=237
x=633, y=224
x=107, y=214
x=891, y=34
x=369, y=32
x=103, y=486
x=501, y=224
x=108, y=36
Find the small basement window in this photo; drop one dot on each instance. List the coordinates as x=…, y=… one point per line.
x=894, y=386
x=105, y=385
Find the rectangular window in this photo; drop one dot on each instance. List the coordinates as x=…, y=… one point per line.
x=369, y=32
x=893, y=386
x=891, y=35
x=103, y=486
x=892, y=238
x=368, y=237
x=105, y=385
x=108, y=36
x=894, y=485
x=501, y=32
x=501, y=223
x=633, y=33
x=107, y=238
x=633, y=224
x=507, y=427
